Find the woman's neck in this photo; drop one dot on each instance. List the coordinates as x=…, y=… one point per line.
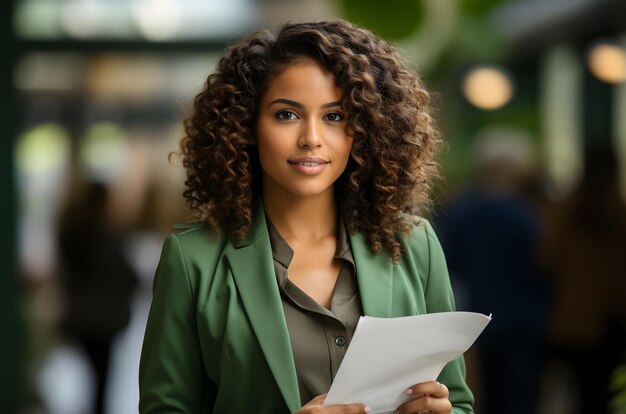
x=302, y=218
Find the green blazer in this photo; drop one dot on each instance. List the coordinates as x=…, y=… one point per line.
x=216, y=338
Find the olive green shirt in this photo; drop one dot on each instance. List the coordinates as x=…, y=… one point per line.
x=319, y=337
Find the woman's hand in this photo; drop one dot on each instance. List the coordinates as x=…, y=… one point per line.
x=428, y=398
x=315, y=406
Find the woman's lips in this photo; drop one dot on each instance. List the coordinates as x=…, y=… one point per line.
x=309, y=165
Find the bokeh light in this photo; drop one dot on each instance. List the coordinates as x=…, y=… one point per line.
x=36, y=18
x=157, y=19
x=488, y=88
x=607, y=62
x=104, y=151
x=41, y=149
x=82, y=19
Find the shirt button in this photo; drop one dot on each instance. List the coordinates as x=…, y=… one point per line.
x=340, y=340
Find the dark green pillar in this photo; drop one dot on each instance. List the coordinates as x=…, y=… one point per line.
x=598, y=120
x=11, y=380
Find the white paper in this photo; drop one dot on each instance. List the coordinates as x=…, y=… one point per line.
x=389, y=355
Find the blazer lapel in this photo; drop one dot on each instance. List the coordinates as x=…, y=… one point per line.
x=253, y=271
x=375, y=277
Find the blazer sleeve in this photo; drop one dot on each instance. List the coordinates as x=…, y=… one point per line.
x=440, y=298
x=171, y=374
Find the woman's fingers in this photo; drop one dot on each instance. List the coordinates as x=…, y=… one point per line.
x=319, y=400
x=315, y=407
x=426, y=404
x=347, y=409
x=427, y=397
x=335, y=409
x=432, y=388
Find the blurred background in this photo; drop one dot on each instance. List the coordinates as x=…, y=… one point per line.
x=530, y=96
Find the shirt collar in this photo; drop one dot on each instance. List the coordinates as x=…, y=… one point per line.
x=282, y=252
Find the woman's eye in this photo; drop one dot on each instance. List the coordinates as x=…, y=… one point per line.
x=333, y=117
x=286, y=115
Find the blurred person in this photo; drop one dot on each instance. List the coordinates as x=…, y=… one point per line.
x=584, y=250
x=97, y=280
x=490, y=233
x=145, y=237
x=306, y=154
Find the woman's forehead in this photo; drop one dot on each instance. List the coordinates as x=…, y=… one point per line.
x=306, y=79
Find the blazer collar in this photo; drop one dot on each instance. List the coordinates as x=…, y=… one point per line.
x=374, y=271
x=374, y=274
x=253, y=271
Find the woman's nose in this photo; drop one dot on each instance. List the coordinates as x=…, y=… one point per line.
x=310, y=136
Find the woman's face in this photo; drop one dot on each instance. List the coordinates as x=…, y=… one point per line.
x=301, y=132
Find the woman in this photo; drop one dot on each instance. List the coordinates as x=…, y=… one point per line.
x=306, y=155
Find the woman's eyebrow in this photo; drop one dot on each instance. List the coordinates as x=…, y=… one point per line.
x=331, y=104
x=299, y=105
x=286, y=101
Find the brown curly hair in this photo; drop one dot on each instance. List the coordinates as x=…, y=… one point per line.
x=392, y=159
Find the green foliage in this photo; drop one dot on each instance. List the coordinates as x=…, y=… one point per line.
x=478, y=7
x=477, y=41
x=618, y=389
x=390, y=19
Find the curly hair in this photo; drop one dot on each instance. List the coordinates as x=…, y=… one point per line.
x=392, y=160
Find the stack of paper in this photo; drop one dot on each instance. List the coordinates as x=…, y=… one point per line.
x=389, y=355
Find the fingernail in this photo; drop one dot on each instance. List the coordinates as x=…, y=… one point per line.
x=367, y=409
x=408, y=391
